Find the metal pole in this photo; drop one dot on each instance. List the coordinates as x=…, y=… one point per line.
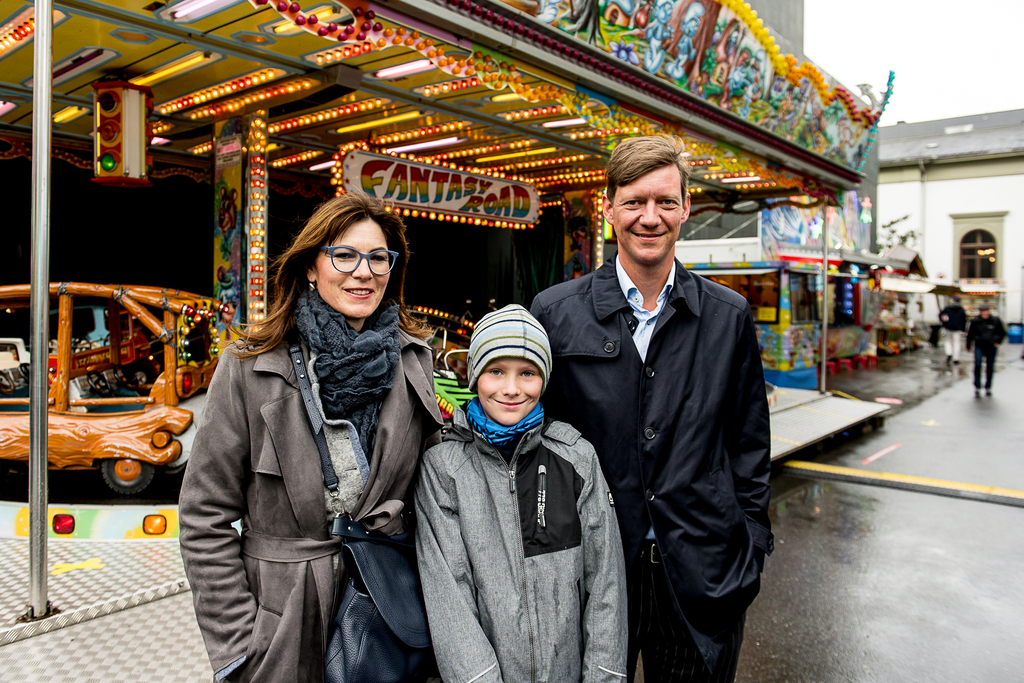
x=42, y=86
x=824, y=301
x=924, y=212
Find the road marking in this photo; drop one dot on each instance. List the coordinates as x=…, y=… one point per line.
x=821, y=412
x=843, y=395
x=907, y=482
x=65, y=567
x=870, y=459
x=930, y=423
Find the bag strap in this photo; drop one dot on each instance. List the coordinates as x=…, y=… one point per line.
x=350, y=530
x=316, y=422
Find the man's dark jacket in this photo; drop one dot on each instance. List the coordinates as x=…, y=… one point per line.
x=954, y=318
x=982, y=332
x=684, y=438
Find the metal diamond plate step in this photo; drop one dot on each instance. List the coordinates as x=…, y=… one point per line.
x=154, y=642
x=805, y=422
x=87, y=579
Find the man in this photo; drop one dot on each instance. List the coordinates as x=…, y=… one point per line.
x=661, y=371
x=954, y=321
x=986, y=334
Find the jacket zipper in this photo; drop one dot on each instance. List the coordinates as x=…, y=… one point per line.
x=522, y=560
x=542, y=495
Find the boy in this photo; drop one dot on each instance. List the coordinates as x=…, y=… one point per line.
x=518, y=545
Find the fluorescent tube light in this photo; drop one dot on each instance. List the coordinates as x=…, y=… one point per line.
x=76, y=64
x=320, y=167
x=69, y=114
x=430, y=144
x=514, y=155
x=506, y=97
x=165, y=72
x=564, y=123
x=414, y=67
x=289, y=26
x=747, y=179
x=378, y=122
x=190, y=10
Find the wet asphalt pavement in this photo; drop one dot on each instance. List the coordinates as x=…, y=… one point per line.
x=875, y=584
x=867, y=583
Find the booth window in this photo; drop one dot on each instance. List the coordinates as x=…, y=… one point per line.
x=760, y=288
x=978, y=255
x=803, y=297
x=847, y=301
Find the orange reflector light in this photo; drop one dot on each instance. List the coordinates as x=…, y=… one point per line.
x=154, y=525
x=63, y=524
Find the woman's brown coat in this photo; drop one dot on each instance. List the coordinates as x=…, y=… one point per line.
x=269, y=594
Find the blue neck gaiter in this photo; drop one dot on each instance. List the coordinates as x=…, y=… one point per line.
x=498, y=434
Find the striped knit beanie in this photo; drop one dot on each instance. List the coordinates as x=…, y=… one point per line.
x=509, y=333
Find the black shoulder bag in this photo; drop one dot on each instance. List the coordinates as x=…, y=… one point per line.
x=380, y=632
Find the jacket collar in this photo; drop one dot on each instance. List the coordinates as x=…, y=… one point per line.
x=276, y=360
x=552, y=429
x=608, y=297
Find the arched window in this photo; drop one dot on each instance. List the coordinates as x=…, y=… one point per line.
x=978, y=255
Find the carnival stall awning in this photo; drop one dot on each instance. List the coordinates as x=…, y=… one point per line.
x=737, y=271
x=981, y=286
x=472, y=85
x=838, y=256
x=900, y=284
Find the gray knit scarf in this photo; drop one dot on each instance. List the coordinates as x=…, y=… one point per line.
x=356, y=369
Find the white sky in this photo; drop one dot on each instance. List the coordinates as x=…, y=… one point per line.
x=950, y=58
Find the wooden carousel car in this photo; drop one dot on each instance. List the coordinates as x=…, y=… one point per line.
x=128, y=367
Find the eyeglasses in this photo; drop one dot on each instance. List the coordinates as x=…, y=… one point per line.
x=347, y=259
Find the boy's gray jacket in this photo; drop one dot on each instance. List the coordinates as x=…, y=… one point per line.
x=521, y=566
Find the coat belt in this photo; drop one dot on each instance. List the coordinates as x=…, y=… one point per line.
x=284, y=549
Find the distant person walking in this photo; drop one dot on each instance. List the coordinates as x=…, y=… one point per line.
x=986, y=333
x=954, y=322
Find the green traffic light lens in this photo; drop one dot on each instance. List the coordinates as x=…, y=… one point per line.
x=107, y=162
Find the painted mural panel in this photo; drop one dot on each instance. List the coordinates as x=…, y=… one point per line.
x=722, y=53
x=849, y=225
x=228, y=236
x=578, y=229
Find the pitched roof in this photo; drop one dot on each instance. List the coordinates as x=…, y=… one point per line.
x=998, y=133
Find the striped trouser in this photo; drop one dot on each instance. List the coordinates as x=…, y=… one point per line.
x=657, y=632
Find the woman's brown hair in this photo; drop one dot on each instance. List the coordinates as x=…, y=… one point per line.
x=328, y=223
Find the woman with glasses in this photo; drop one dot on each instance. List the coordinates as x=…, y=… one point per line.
x=265, y=598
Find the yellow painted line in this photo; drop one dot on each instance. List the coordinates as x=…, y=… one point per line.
x=905, y=479
x=844, y=395
x=782, y=438
x=65, y=567
x=823, y=412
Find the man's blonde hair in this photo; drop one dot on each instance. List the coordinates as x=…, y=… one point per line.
x=634, y=158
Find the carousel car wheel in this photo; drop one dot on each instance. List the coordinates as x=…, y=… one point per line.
x=99, y=384
x=6, y=384
x=127, y=477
